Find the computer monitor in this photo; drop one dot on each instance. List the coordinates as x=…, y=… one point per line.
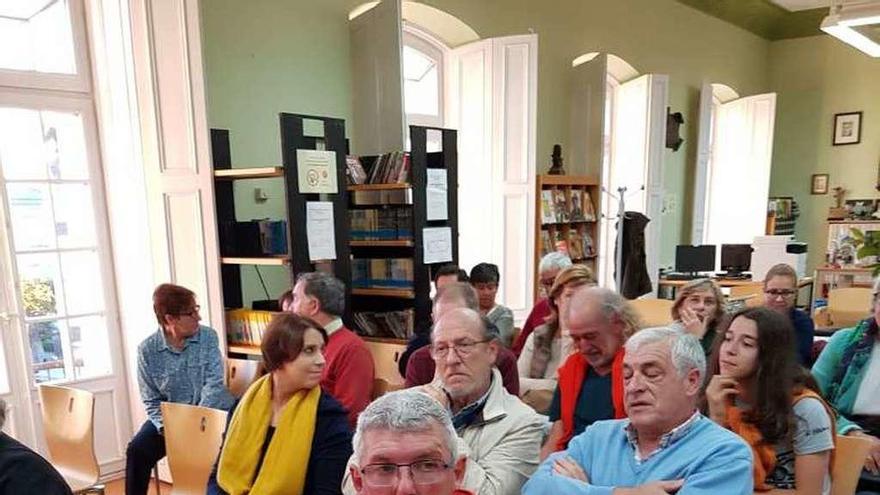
x=694, y=259
x=736, y=258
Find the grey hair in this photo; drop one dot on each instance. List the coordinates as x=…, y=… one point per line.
x=554, y=261
x=2, y=413
x=684, y=349
x=611, y=304
x=327, y=289
x=404, y=411
x=461, y=291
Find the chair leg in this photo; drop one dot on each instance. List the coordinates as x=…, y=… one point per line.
x=158, y=481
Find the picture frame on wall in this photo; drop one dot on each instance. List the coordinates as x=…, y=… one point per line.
x=819, y=184
x=847, y=128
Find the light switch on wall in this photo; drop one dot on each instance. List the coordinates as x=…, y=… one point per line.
x=260, y=195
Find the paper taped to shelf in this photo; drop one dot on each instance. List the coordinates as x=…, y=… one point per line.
x=316, y=171
x=319, y=230
x=436, y=192
x=437, y=242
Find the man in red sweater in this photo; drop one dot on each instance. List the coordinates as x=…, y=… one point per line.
x=348, y=373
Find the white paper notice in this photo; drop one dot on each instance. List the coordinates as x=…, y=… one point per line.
x=319, y=230
x=438, y=244
x=316, y=171
x=436, y=194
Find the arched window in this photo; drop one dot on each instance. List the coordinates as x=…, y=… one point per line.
x=422, y=78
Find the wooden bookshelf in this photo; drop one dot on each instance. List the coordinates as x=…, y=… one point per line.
x=378, y=187
x=250, y=350
x=279, y=260
x=249, y=173
x=397, y=243
x=397, y=293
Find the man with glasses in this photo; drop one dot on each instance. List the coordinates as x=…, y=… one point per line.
x=180, y=362
x=405, y=443
x=550, y=266
x=780, y=294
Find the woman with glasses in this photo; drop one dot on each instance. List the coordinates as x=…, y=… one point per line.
x=698, y=310
x=780, y=294
x=848, y=372
x=485, y=278
x=180, y=362
x=285, y=436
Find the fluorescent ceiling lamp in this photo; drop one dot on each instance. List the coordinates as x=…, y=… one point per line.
x=856, y=25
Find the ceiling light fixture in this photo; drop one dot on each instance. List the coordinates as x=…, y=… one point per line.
x=857, y=25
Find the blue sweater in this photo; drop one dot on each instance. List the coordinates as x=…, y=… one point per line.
x=804, y=331
x=710, y=459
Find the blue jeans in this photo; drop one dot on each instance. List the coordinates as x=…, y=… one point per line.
x=143, y=452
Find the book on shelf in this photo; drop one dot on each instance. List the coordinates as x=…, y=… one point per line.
x=587, y=203
x=382, y=273
x=391, y=168
x=385, y=324
x=252, y=237
x=575, y=200
x=559, y=206
x=354, y=170
x=575, y=245
x=273, y=236
x=587, y=244
x=381, y=224
x=246, y=326
x=546, y=243
x=548, y=212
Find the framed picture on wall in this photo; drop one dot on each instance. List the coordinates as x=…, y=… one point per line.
x=847, y=128
x=819, y=184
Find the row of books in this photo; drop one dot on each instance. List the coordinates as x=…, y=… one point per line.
x=382, y=273
x=566, y=205
x=387, y=324
x=246, y=326
x=381, y=224
x=578, y=244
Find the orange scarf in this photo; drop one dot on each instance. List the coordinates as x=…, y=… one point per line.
x=571, y=379
x=764, y=454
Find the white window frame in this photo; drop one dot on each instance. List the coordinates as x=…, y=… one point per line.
x=421, y=40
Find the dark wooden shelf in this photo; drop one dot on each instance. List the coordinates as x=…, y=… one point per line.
x=378, y=187
x=248, y=349
x=249, y=173
x=398, y=293
x=278, y=260
x=389, y=243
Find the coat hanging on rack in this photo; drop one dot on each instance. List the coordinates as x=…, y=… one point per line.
x=635, y=279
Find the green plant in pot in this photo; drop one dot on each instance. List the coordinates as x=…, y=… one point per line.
x=868, y=246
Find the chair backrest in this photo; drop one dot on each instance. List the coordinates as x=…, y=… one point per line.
x=193, y=437
x=653, y=312
x=849, y=457
x=385, y=358
x=240, y=373
x=848, y=305
x=68, y=424
x=751, y=294
x=382, y=387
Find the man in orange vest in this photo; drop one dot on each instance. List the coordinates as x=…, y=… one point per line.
x=590, y=386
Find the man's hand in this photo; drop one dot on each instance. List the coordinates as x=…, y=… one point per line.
x=568, y=467
x=436, y=392
x=719, y=394
x=653, y=488
x=692, y=323
x=872, y=460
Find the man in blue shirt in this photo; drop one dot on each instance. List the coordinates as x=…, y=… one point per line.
x=666, y=445
x=180, y=363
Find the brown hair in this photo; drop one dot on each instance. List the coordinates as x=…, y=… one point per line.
x=283, y=339
x=172, y=300
x=572, y=276
x=287, y=296
x=693, y=287
x=781, y=270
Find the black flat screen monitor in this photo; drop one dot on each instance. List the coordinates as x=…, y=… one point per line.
x=694, y=259
x=736, y=258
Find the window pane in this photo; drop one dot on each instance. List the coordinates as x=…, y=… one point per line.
x=89, y=346
x=65, y=146
x=47, y=351
x=420, y=83
x=4, y=377
x=30, y=208
x=21, y=144
x=83, y=291
x=74, y=217
x=41, y=288
x=37, y=36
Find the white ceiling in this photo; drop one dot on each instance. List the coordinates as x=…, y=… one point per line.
x=795, y=5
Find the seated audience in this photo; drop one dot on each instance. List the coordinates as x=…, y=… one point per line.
x=780, y=294
x=348, y=375
x=285, y=435
x=23, y=471
x=500, y=437
x=550, y=344
x=180, y=362
x=698, y=310
x=591, y=380
x=848, y=373
x=420, y=368
x=550, y=266
x=666, y=445
x=445, y=275
x=759, y=391
x=406, y=429
x=485, y=278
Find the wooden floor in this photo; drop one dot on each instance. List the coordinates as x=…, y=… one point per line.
x=117, y=487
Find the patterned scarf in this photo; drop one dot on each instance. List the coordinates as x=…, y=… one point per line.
x=856, y=354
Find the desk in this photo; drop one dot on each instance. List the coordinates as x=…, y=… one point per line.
x=675, y=284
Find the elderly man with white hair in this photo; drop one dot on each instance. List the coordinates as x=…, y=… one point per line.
x=406, y=429
x=665, y=446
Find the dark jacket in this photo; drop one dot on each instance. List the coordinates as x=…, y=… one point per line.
x=331, y=448
x=635, y=280
x=23, y=471
x=804, y=331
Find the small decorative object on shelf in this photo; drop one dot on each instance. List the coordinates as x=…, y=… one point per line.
x=837, y=212
x=556, y=168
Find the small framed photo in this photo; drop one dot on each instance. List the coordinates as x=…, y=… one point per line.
x=819, y=184
x=847, y=128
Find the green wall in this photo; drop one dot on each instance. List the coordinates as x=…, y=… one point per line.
x=815, y=78
x=266, y=56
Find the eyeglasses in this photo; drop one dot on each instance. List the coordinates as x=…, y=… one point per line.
x=425, y=472
x=780, y=292
x=463, y=348
x=547, y=283
x=191, y=313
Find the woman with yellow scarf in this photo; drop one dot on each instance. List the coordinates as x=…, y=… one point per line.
x=285, y=436
x=758, y=390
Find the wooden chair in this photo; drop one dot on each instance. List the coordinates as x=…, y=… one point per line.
x=849, y=457
x=240, y=373
x=68, y=424
x=848, y=305
x=193, y=437
x=385, y=358
x=653, y=312
x=382, y=387
x=752, y=295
